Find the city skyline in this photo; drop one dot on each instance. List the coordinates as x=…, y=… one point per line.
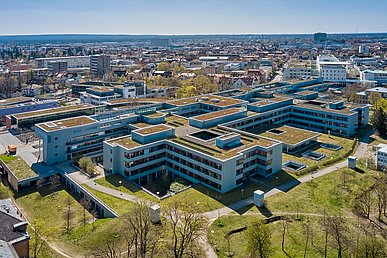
x=174, y=17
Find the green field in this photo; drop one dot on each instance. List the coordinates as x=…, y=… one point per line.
x=118, y=205
x=294, y=240
x=305, y=205
x=327, y=192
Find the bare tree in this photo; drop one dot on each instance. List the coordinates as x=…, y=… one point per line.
x=146, y=233
x=337, y=229
x=187, y=225
x=40, y=183
x=86, y=204
x=307, y=235
x=283, y=232
x=380, y=189
x=55, y=182
x=110, y=248
x=68, y=213
x=259, y=239
x=363, y=203
x=38, y=241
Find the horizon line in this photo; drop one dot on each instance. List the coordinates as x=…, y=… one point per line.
x=194, y=34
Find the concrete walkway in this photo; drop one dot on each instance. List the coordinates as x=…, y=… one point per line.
x=212, y=215
x=115, y=193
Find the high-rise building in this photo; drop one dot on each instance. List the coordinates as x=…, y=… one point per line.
x=99, y=65
x=320, y=37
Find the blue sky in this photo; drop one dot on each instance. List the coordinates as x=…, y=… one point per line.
x=191, y=17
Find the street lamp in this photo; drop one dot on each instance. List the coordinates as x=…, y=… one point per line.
x=242, y=190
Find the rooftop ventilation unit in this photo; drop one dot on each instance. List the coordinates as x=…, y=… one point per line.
x=50, y=124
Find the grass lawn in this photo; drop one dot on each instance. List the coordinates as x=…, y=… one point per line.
x=48, y=209
x=210, y=199
x=345, y=143
x=326, y=192
x=18, y=166
x=112, y=181
x=118, y=205
x=4, y=191
x=294, y=240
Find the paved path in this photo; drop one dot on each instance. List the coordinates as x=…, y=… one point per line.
x=212, y=215
x=23, y=150
x=113, y=192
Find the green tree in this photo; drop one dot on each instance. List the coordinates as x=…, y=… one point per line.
x=379, y=122
x=196, y=86
x=87, y=165
x=163, y=66
x=381, y=103
x=258, y=239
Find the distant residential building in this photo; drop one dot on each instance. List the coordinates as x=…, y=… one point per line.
x=99, y=65
x=72, y=61
x=140, y=87
x=319, y=37
x=57, y=66
x=331, y=68
x=363, y=97
x=379, y=76
x=14, y=239
x=98, y=95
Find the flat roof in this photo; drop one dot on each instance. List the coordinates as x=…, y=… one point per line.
x=141, y=125
x=324, y=106
x=9, y=101
x=213, y=150
x=216, y=114
x=51, y=111
x=287, y=134
x=208, y=99
x=18, y=166
x=265, y=102
x=305, y=92
x=67, y=123
x=152, y=129
x=125, y=142
x=102, y=89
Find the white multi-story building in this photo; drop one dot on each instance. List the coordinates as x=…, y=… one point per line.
x=72, y=61
x=379, y=76
x=331, y=68
x=297, y=70
x=381, y=156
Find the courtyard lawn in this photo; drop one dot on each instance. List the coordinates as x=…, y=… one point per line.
x=209, y=199
x=345, y=143
x=113, y=182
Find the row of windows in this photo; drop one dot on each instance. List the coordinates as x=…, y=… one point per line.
x=195, y=157
x=193, y=175
x=195, y=167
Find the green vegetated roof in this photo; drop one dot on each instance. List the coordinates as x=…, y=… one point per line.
x=18, y=166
